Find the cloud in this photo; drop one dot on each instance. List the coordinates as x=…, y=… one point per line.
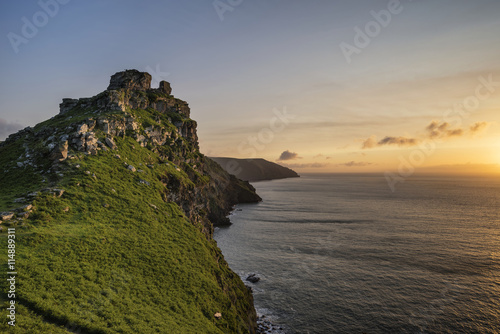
x=355, y=164
x=478, y=127
x=435, y=129
x=369, y=143
x=400, y=141
x=442, y=130
x=438, y=129
x=310, y=165
x=7, y=128
x=287, y=155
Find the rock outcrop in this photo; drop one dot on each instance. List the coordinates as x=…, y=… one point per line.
x=130, y=79
x=141, y=137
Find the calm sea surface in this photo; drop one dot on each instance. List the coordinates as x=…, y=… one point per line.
x=344, y=254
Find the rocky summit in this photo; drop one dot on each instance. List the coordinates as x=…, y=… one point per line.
x=114, y=209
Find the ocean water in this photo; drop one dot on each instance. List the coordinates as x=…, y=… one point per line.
x=345, y=254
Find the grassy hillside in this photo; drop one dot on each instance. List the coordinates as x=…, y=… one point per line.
x=105, y=249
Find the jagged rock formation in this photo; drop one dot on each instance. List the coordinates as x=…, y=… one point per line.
x=128, y=153
x=254, y=169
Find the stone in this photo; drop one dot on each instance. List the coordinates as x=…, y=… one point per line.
x=60, y=153
x=165, y=87
x=58, y=192
x=130, y=79
x=253, y=278
x=218, y=316
x=131, y=168
x=144, y=182
x=6, y=216
x=110, y=142
x=23, y=215
x=82, y=129
x=26, y=207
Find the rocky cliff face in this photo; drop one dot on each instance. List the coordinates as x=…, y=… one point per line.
x=131, y=146
x=155, y=120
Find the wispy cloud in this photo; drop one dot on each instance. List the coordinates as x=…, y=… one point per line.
x=355, y=164
x=399, y=141
x=433, y=130
x=306, y=165
x=287, y=155
x=479, y=127
x=7, y=128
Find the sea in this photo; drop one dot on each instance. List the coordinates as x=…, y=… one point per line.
x=345, y=254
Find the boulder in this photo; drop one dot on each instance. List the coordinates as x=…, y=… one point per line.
x=165, y=87
x=60, y=153
x=130, y=79
x=252, y=278
x=110, y=142
x=6, y=215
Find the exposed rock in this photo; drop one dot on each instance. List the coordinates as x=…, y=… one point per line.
x=252, y=278
x=25, y=208
x=165, y=87
x=218, y=316
x=6, y=215
x=57, y=192
x=23, y=215
x=131, y=168
x=67, y=105
x=110, y=142
x=60, y=153
x=130, y=79
x=82, y=129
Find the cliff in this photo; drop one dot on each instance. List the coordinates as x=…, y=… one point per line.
x=254, y=169
x=114, y=208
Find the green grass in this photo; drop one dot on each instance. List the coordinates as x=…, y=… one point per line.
x=111, y=255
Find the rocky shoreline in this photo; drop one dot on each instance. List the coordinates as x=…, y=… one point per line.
x=266, y=326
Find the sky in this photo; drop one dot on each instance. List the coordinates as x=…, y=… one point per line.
x=319, y=86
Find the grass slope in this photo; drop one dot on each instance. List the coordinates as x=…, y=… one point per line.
x=111, y=255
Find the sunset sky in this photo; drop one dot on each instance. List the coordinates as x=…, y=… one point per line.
x=327, y=86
